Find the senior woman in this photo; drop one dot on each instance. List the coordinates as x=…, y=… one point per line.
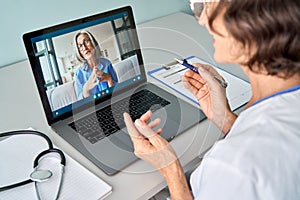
x=259, y=157
x=96, y=73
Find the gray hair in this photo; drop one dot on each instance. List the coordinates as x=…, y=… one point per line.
x=94, y=43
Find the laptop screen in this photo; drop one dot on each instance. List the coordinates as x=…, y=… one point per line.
x=84, y=61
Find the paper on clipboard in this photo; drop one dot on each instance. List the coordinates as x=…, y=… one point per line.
x=238, y=90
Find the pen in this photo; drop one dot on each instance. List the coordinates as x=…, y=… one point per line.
x=224, y=84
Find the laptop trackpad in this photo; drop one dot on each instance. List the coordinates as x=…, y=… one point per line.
x=122, y=140
x=170, y=127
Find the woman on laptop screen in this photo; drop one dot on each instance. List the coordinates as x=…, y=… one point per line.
x=96, y=74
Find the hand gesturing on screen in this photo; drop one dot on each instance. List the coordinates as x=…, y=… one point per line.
x=104, y=77
x=90, y=83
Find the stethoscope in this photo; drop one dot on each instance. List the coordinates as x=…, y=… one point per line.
x=38, y=175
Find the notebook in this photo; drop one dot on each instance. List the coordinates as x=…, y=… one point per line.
x=78, y=182
x=89, y=72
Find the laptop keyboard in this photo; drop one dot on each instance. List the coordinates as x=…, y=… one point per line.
x=109, y=120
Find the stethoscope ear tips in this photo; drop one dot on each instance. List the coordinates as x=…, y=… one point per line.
x=39, y=175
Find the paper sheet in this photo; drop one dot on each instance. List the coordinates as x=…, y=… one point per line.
x=17, y=154
x=238, y=91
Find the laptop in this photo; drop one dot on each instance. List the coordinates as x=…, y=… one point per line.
x=93, y=123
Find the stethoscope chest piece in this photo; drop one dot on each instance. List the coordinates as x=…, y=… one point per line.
x=40, y=175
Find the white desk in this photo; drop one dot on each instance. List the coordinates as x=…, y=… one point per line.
x=177, y=35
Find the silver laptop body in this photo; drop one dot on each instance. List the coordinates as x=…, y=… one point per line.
x=53, y=64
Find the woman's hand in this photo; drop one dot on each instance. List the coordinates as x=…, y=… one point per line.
x=90, y=83
x=96, y=77
x=104, y=77
x=151, y=147
x=210, y=95
x=148, y=144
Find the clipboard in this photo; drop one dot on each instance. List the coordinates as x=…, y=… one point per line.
x=238, y=91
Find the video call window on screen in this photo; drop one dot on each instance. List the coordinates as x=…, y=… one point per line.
x=60, y=64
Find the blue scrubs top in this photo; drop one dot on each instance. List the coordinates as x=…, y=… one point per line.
x=83, y=73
